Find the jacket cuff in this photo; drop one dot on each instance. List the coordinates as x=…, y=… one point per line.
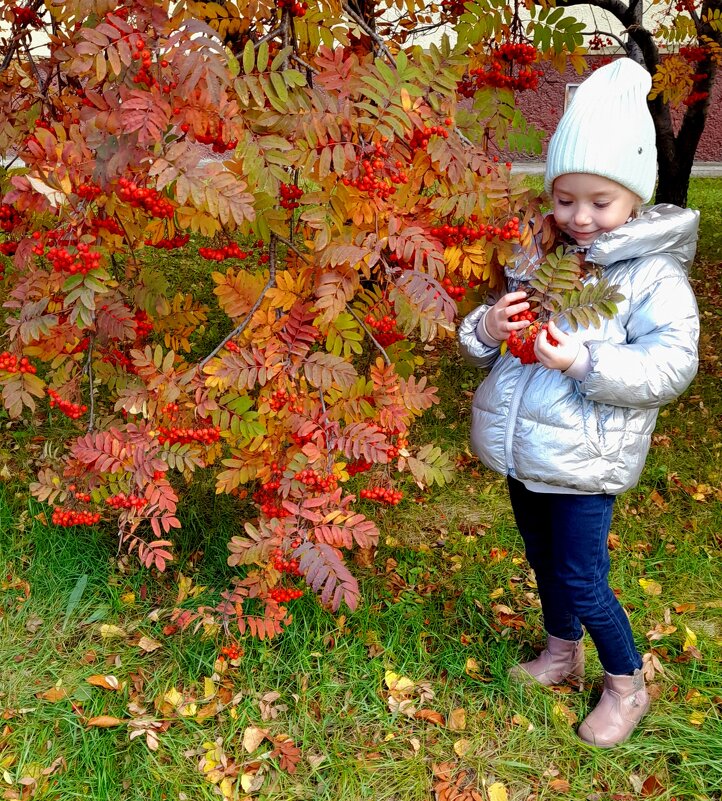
x=484, y=335
x=581, y=366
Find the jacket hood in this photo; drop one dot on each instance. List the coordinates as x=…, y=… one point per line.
x=663, y=229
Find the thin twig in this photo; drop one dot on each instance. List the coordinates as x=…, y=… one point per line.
x=369, y=334
x=304, y=64
x=361, y=22
x=242, y=326
x=292, y=247
x=268, y=36
x=88, y=368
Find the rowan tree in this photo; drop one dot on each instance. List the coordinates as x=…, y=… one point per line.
x=337, y=179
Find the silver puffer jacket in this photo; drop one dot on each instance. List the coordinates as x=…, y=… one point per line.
x=592, y=436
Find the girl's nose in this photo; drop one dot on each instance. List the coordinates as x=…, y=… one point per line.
x=582, y=215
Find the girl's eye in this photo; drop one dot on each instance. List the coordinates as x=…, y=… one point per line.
x=564, y=202
x=601, y=205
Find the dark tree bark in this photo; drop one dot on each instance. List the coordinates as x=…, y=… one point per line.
x=675, y=152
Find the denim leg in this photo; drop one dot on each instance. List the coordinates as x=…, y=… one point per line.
x=581, y=555
x=533, y=514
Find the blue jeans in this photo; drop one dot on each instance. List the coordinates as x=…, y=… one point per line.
x=566, y=544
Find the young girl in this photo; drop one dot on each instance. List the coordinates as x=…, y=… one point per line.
x=573, y=430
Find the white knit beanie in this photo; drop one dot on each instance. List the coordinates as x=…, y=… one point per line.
x=607, y=130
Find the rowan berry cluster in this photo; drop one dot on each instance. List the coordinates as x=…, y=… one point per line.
x=9, y=217
x=83, y=260
x=452, y=290
x=283, y=565
x=117, y=357
x=315, y=482
x=170, y=410
x=295, y=8
x=143, y=324
x=281, y=397
x=8, y=248
x=695, y=97
x=232, y=346
x=382, y=495
x=375, y=176
x=266, y=496
x=10, y=364
x=123, y=501
x=500, y=72
x=282, y=595
x=358, y=466
x=454, y=8
x=521, y=343
x=386, y=332
x=290, y=193
x=231, y=651
x=142, y=54
x=110, y=224
x=229, y=251
x=172, y=243
x=88, y=191
x=420, y=137
x=25, y=16
x=401, y=443
x=598, y=42
x=204, y=436
x=72, y=410
x=685, y=5
x=73, y=517
x=693, y=53
x=213, y=138
x=143, y=197
x=83, y=497
x=456, y=234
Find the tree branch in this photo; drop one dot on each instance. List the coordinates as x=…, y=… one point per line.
x=361, y=22
x=240, y=328
x=369, y=334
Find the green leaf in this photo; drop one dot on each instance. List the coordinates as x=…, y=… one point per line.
x=249, y=57
x=75, y=597
x=262, y=58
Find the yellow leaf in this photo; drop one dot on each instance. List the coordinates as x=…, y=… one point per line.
x=108, y=631
x=563, y=712
x=128, y=598
x=396, y=683
x=650, y=586
x=173, y=697
x=106, y=682
x=497, y=792
x=697, y=718
x=461, y=747
x=226, y=787
x=247, y=781
x=497, y=593
x=457, y=719
x=690, y=641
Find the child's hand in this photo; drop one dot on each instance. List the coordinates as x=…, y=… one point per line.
x=497, y=322
x=560, y=356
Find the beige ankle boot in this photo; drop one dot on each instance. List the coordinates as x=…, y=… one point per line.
x=623, y=704
x=560, y=660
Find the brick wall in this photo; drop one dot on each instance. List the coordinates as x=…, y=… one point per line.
x=544, y=107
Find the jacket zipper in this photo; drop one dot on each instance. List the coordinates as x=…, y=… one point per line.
x=511, y=419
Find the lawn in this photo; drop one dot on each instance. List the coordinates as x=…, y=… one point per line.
x=405, y=697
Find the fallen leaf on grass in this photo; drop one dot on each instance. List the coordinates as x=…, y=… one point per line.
x=269, y=708
x=430, y=716
x=461, y=747
x=521, y=720
x=457, y=719
x=108, y=631
x=253, y=737
x=148, y=644
x=697, y=718
x=563, y=712
x=106, y=682
x=53, y=695
x=105, y=722
x=472, y=669
x=32, y=624
x=560, y=785
x=497, y=792
x=650, y=586
x=652, y=787
x=690, y=640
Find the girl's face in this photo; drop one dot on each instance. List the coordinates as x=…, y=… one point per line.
x=586, y=206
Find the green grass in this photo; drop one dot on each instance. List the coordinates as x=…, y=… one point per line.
x=447, y=559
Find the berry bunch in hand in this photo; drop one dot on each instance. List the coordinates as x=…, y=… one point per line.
x=521, y=343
